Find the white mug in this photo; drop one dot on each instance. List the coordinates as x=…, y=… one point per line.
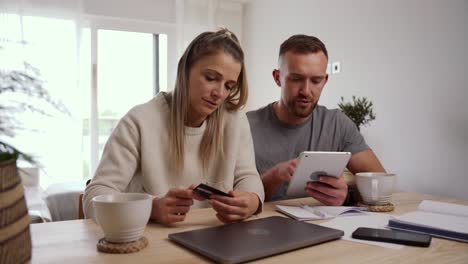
x=122, y=216
x=375, y=187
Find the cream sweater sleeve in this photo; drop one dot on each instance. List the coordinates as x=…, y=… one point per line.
x=118, y=164
x=246, y=177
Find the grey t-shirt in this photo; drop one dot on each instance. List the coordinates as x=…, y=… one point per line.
x=275, y=141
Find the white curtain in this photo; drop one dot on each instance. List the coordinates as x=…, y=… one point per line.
x=47, y=36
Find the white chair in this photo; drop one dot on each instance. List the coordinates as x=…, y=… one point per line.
x=63, y=200
x=35, y=196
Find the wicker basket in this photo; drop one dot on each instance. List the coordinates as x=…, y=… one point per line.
x=15, y=238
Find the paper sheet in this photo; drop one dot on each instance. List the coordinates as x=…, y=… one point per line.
x=351, y=223
x=305, y=212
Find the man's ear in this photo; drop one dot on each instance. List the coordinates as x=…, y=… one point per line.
x=276, y=77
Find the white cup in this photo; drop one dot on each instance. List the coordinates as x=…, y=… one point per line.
x=375, y=187
x=122, y=216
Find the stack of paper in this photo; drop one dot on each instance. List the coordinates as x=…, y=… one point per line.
x=350, y=224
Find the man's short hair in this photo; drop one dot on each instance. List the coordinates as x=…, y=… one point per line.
x=303, y=44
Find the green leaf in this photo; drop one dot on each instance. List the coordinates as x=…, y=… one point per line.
x=360, y=110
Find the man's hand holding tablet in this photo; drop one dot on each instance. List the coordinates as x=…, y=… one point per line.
x=318, y=174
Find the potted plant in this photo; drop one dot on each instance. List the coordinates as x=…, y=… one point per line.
x=360, y=110
x=14, y=218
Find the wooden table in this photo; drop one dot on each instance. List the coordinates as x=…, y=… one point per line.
x=75, y=242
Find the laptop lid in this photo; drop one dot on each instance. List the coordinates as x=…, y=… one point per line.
x=244, y=241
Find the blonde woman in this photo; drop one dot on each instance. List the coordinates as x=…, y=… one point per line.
x=192, y=135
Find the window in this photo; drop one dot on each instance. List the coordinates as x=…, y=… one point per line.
x=50, y=46
x=127, y=75
x=130, y=68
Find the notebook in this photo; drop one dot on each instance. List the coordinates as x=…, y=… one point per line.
x=249, y=240
x=306, y=212
x=445, y=220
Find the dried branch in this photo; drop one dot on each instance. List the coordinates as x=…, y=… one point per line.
x=29, y=83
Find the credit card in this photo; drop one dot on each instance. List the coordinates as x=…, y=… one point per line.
x=206, y=191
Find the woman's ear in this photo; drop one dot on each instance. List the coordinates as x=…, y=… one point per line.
x=276, y=77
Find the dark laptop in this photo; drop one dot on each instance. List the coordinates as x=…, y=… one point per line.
x=244, y=241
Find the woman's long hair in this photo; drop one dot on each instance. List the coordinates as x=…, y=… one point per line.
x=207, y=43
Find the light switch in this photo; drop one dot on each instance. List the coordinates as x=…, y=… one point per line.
x=336, y=67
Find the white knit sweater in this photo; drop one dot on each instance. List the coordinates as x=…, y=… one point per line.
x=136, y=157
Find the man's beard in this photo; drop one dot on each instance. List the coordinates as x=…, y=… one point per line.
x=298, y=111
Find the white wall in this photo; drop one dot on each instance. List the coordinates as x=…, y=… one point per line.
x=208, y=15
x=197, y=16
x=148, y=10
x=408, y=56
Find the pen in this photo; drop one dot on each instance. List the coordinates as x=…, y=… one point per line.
x=312, y=210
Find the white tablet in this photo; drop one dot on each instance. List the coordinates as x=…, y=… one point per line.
x=312, y=164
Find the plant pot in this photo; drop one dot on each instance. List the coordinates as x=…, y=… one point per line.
x=15, y=238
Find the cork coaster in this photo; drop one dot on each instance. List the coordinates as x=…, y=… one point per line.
x=388, y=207
x=121, y=248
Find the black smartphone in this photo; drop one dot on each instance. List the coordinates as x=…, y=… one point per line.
x=206, y=191
x=392, y=236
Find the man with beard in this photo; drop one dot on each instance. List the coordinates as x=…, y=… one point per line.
x=296, y=123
